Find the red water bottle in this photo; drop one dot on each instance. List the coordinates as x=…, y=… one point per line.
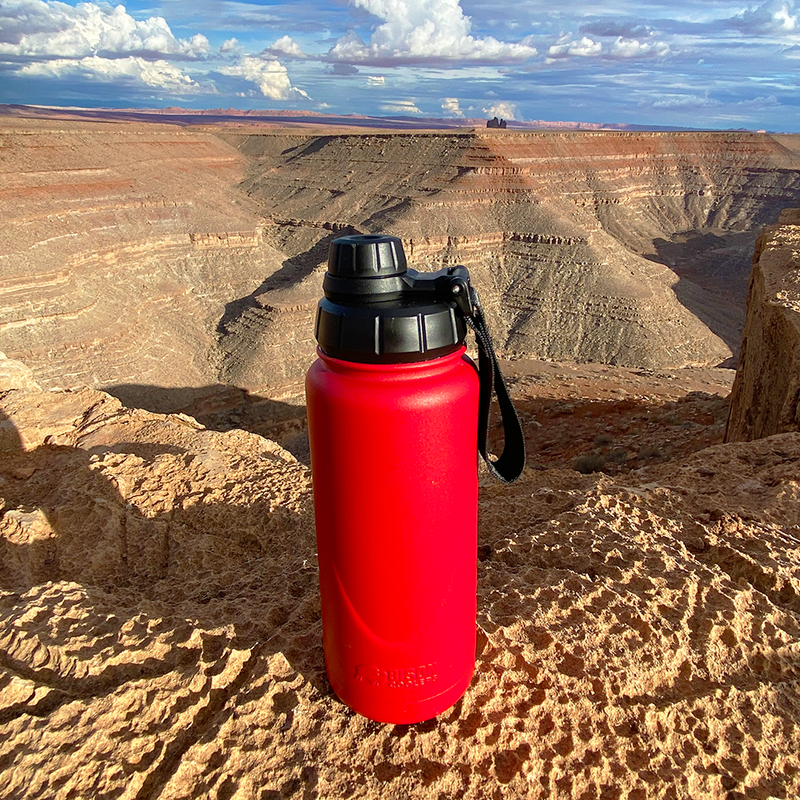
x=395, y=412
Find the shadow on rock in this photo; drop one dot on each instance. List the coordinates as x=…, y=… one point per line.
x=220, y=407
x=714, y=271
x=98, y=588
x=292, y=272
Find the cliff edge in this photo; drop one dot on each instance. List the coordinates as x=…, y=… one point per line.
x=766, y=392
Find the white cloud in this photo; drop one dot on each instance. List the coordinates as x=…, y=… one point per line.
x=504, y=110
x=423, y=31
x=230, y=46
x=621, y=47
x=773, y=17
x=451, y=107
x=582, y=47
x=376, y=80
x=401, y=107
x=269, y=75
x=157, y=74
x=684, y=101
x=287, y=46
x=51, y=29
x=765, y=101
x=633, y=48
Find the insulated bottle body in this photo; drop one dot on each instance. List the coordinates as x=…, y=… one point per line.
x=393, y=456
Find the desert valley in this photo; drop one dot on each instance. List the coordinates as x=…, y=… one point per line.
x=639, y=586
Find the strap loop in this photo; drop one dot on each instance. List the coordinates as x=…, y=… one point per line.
x=508, y=467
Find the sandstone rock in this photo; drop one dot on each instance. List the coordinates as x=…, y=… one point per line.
x=570, y=236
x=15, y=375
x=766, y=393
x=160, y=632
x=121, y=246
x=151, y=255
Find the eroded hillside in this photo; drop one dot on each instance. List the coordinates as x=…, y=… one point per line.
x=119, y=248
x=159, y=260
x=567, y=234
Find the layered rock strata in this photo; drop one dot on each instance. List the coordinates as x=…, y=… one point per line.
x=766, y=393
x=149, y=255
x=119, y=249
x=160, y=627
x=570, y=236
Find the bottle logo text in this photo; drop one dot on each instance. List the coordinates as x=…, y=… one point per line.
x=396, y=678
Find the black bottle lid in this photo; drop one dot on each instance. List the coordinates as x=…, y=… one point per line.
x=377, y=310
x=366, y=256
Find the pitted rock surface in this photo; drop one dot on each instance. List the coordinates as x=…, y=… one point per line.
x=160, y=633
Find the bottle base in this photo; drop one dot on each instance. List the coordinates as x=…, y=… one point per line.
x=399, y=713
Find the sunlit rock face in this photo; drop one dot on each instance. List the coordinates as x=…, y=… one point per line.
x=766, y=393
x=570, y=236
x=145, y=255
x=120, y=246
x=161, y=637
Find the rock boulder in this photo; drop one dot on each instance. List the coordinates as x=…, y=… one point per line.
x=766, y=393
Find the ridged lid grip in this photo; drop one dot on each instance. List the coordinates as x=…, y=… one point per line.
x=366, y=256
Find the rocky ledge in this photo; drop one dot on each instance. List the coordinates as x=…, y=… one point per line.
x=160, y=630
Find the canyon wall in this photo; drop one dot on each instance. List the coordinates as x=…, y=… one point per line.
x=142, y=256
x=766, y=393
x=629, y=249
x=119, y=248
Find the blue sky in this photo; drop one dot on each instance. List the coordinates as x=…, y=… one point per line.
x=700, y=63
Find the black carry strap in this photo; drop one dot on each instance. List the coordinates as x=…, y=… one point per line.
x=509, y=465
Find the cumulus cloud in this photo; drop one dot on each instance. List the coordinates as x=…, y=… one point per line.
x=401, y=107
x=582, y=47
x=773, y=17
x=621, y=47
x=231, y=46
x=633, y=48
x=451, y=107
x=268, y=74
x=131, y=70
x=504, y=110
x=37, y=29
x=422, y=31
x=287, y=46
